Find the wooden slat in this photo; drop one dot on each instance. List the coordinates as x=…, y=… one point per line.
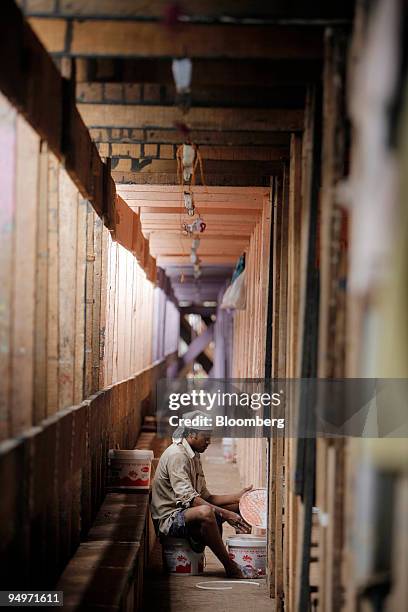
x=53, y=287
x=143, y=39
x=68, y=205
x=97, y=312
x=22, y=374
x=143, y=116
x=80, y=296
x=41, y=282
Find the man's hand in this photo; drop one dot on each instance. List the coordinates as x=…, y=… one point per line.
x=240, y=494
x=236, y=521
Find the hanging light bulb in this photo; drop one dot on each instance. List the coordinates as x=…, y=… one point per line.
x=188, y=203
x=182, y=71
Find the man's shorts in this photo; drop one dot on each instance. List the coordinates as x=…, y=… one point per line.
x=180, y=529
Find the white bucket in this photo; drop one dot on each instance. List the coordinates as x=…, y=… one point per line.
x=248, y=552
x=130, y=468
x=179, y=558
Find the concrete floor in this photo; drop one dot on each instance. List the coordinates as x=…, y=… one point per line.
x=165, y=593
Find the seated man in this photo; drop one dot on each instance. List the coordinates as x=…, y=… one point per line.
x=181, y=504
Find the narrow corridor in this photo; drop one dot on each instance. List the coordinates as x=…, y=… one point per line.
x=204, y=194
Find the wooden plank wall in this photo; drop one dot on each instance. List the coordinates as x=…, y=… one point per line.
x=129, y=316
x=53, y=479
x=76, y=307
x=249, y=339
x=284, y=220
x=57, y=422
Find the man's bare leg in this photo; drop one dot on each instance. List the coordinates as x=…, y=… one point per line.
x=202, y=518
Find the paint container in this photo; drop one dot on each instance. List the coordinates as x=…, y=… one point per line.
x=130, y=469
x=180, y=559
x=249, y=552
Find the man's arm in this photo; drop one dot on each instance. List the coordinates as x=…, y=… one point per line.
x=232, y=518
x=227, y=500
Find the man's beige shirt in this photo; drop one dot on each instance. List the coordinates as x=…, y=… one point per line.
x=178, y=480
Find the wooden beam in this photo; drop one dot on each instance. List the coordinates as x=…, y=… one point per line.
x=168, y=152
x=169, y=166
x=234, y=179
x=196, y=10
x=240, y=217
x=255, y=96
x=199, y=137
x=140, y=116
x=242, y=232
x=210, y=205
x=162, y=240
x=213, y=73
x=171, y=195
x=164, y=260
x=90, y=37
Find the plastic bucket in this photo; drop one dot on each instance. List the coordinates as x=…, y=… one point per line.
x=130, y=469
x=180, y=559
x=248, y=552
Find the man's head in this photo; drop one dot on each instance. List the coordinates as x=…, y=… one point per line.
x=198, y=440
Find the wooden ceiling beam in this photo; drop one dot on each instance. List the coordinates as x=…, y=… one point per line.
x=119, y=154
x=143, y=116
x=210, y=207
x=91, y=37
x=234, y=179
x=162, y=193
x=201, y=10
x=163, y=240
x=228, y=216
x=172, y=136
x=223, y=230
x=256, y=96
x=165, y=260
x=169, y=166
x=206, y=72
